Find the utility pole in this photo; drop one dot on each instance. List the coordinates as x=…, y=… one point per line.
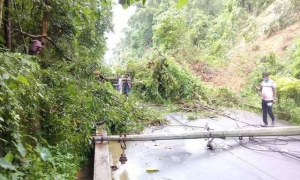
x=256, y=132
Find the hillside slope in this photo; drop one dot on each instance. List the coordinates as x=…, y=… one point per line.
x=245, y=56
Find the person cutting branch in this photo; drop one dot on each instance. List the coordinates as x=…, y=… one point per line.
x=269, y=97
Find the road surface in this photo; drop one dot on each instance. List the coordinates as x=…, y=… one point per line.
x=231, y=158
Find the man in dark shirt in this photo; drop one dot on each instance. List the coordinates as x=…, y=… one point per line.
x=36, y=47
x=127, y=85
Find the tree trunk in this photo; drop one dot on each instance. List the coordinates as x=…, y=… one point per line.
x=7, y=24
x=1, y=9
x=45, y=21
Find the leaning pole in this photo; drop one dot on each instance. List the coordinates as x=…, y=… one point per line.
x=255, y=132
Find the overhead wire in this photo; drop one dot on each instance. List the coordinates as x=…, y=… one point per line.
x=186, y=125
x=255, y=141
x=253, y=165
x=265, y=145
x=262, y=143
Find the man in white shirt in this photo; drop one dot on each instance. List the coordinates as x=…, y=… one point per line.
x=268, y=96
x=120, y=83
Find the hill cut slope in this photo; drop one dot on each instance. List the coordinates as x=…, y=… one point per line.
x=243, y=58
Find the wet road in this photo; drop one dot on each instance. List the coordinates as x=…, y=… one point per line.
x=191, y=160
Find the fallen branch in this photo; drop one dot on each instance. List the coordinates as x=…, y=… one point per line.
x=49, y=39
x=102, y=77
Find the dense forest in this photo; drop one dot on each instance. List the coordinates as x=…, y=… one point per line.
x=206, y=52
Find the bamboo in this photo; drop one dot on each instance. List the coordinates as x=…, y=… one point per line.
x=256, y=132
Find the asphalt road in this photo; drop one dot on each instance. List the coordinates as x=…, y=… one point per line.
x=231, y=158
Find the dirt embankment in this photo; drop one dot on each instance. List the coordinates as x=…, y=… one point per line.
x=243, y=57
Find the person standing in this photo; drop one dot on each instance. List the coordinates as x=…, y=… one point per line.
x=117, y=83
x=268, y=96
x=120, y=84
x=127, y=85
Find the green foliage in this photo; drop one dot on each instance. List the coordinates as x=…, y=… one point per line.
x=203, y=30
x=289, y=88
x=77, y=27
x=181, y=3
x=296, y=62
x=6, y=164
x=255, y=7
x=289, y=98
x=169, y=31
x=222, y=96
x=47, y=116
x=200, y=25
x=142, y=38
x=166, y=80
x=269, y=63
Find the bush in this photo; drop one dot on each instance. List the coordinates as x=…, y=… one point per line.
x=296, y=62
x=167, y=81
x=289, y=88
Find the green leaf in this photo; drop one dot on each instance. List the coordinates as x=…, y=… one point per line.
x=6, y=165
x=71, y=14
x=1, y=39
x=33, y=67
x=21, y=149
x=104, y=3
x=5, y=76
x=3, y=177
x=9, y=157
x=44, y=153
x=181, y=3
x=17, y=175
x=41, y=95
x=23, y=80
x=6, y=60
x=17, y=55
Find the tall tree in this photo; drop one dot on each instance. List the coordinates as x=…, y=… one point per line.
x=7, y=24
x=45, y=20
x=1, y=8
